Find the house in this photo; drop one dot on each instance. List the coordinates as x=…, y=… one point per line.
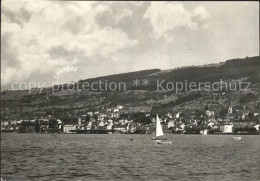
x=116, y=110
x=5, y=123
x=89, y=125
x=120, y=129
x=244, y=123
x=110, y=126
x=102, y=116
x=226, y=128
x=212, y=122
x=170, y=124
x=119, y=107
x=169, y=115
x=68, y=128
x=178, y=115
x=114, y=115
x=147, y=114
x=210, y=113
x=101, y=124
x=256, y=114
x=90, y=113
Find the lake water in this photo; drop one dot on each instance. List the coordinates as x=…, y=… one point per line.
x=115, y=157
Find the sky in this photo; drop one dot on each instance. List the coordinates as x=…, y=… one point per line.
x=59, y=41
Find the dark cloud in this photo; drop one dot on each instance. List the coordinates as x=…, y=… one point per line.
x=20, y=17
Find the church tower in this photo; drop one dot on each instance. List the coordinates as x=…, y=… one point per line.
x=230, y=110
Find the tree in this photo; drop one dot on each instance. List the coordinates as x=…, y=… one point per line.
x=37, y=126
x=258, y=105
x=223, y=112
x=53, y=123
x=206, y=107
x=251, y=115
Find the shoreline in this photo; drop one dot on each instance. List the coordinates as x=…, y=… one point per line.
x=112, y=132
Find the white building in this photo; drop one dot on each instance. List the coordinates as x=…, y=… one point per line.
x=68, y=128
x=90, y=113
x=101, y=123
x=227, y=128
x=119, y=107
x=89, y=125
x=170, y=124
x=120, y=129
x=178, y=115
x=210, y=113
x=116, y=110
x=79, y=121
x=109, y=127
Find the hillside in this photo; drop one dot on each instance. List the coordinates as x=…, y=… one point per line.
x=134, y=98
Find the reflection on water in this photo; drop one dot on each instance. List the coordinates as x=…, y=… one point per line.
x=116, y=157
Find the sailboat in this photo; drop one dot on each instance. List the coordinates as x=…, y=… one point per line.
x=237, y=138
x=158, y=131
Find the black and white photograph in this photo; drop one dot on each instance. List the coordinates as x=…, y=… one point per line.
x=130, y=90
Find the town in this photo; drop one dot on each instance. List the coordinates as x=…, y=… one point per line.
x=233, y=120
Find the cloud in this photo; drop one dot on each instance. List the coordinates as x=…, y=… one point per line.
x=102, y=8
x=124, y=13
x=136, y=3
x=54, y=35
x=167, y=16
x=201, y=12
x=102, y=38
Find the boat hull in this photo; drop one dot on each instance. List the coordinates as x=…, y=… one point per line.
x=155, y=138
x=236, y=138
x=164, y=142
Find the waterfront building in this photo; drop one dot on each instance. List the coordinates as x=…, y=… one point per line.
x=170, y=124
x=226, y=128
x=120, y=129
x=244, y=123
x=89, y=125
x=110, y=126
x=68, y=128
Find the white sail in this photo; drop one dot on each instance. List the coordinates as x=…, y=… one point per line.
x=159, y=131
